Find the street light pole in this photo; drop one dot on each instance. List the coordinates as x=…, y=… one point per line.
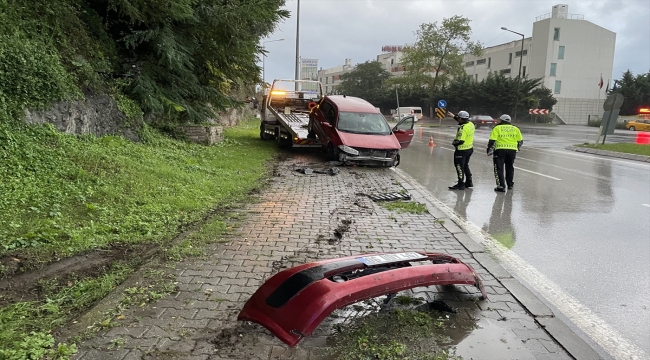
x=298, y=45
x=264, y=62
x=521, y=59
x=521, y=54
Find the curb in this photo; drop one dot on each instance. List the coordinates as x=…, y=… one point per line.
x=575, y=346
x=614, y=154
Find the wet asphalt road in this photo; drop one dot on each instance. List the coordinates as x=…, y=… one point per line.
x=582, y=221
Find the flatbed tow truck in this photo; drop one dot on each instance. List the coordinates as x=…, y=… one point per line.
x=285, y=112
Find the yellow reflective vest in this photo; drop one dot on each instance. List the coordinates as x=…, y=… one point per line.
x=466, y=134
x=506, y=136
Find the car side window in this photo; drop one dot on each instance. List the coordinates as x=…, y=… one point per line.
x=328, y=112
x=407, y=124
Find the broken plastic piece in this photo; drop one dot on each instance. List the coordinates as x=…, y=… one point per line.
x=293, y=303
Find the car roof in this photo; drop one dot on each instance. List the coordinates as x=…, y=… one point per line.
x=352, y=104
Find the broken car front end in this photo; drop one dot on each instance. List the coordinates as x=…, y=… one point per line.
x=293, y=303
x=362, y=156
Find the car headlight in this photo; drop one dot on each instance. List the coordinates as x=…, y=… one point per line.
x=348, y=150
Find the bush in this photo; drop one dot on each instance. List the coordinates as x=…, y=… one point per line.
x=597, y=123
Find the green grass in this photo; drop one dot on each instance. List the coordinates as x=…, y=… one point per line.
x=624, y=148
x=63, y=195
x=406, y=207
x=392, y=335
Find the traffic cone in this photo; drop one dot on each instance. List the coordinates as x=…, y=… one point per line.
x=431, y=141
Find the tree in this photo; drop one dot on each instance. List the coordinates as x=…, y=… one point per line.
x=437, y=54
x=366, y=81
x=635, y=89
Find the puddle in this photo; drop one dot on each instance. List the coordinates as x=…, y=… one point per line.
x=490, y=342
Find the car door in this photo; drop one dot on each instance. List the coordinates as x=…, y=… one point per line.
x=326, y=121
x=404, y=131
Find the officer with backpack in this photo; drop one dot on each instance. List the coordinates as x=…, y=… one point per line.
x=505, y=141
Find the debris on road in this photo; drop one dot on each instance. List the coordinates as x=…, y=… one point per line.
x=390, y=196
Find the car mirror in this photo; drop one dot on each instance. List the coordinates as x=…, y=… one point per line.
x=326, y=124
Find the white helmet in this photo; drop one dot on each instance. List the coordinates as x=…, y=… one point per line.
x=505, y=117
x=463, y=114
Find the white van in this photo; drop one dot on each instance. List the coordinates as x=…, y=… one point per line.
x=409, y=110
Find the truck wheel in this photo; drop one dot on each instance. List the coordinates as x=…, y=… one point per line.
x=332, y=153
x=285, y=143
x=263, y=134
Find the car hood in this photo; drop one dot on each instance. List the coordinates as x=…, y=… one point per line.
x=369, y=141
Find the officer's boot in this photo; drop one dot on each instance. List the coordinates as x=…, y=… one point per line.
x=469, y=183
x=459, y=186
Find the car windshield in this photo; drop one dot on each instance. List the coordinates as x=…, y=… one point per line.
x=483, y=117
x=363, y=123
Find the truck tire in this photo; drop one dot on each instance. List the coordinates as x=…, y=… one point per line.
x=332, y=153
x=263, y=134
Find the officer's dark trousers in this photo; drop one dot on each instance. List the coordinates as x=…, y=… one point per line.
x=461, y=163
x=504, y=158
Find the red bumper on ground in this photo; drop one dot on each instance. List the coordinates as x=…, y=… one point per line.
x=293, y=303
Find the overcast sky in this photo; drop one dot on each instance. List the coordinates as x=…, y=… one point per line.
x=333, y=30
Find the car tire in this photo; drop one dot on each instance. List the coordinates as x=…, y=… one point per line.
x=396, y=161
x=332, y=153
x=631, y=128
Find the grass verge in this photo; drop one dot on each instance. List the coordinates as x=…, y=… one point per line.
x=406, y=207
x=637, y=149
x=63, y=195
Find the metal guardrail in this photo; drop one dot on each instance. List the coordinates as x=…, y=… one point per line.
x=569, y=16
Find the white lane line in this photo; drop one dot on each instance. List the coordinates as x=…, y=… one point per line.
x=590, y=323
x=646, y=205
x=518, y=168
x=536, y=173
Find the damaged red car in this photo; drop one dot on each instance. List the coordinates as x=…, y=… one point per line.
x=293, y=302
x=352, y=130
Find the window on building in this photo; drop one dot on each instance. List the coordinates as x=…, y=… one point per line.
x=518, y=53
x=553, y=69
x=510, y=59
x=558, y=86
x=524, y=72
x=556, y=34
x=489, y=62
x=332, y=79
x=469, y=63
x=476, y=77
x=505, y=71
x=480, y=61
x=560, y=52
x=327, y=89
x=392, y=61
x=327, y=80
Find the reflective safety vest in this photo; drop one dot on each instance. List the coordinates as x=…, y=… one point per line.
x=506, y=136
x=466, y=133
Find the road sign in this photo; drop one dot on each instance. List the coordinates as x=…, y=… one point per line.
x=613, y=102
x=442, y=104
x=441, y=113
x=538, y=111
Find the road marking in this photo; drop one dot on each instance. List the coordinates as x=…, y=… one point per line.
x=518, y=168
x=646, y=205
x=536, y=173
x=592, y=325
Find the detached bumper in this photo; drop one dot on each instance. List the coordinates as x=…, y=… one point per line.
x=293, y=303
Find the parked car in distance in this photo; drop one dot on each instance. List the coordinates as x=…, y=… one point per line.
x=638, y=125
x=351, y=130
x=405, y=111
x=483, y=120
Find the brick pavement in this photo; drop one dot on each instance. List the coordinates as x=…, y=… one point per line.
x=294, y=223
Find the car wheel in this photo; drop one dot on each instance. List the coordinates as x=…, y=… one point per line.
x=632, y=128
x=396, y=161
x=332, y=153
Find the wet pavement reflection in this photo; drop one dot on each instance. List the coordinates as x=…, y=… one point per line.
x=580, y=220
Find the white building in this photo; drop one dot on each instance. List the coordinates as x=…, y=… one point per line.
x=331, y=78
x=569, y=53
x=391, y=59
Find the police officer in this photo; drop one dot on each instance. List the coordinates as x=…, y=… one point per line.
x=464, y=144
x=505, y=141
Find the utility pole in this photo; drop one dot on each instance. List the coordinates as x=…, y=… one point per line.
x=521, y=59
x=298, y=45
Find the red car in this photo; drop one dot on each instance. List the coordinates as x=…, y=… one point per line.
x=353, y=131
x=483, y=120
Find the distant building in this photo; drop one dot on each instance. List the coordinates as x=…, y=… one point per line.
x=569, y=53
x=331, y=78
x=390, y=60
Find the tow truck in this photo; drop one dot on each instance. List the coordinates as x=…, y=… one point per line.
x=285, y=112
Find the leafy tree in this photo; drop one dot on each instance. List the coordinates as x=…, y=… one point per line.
x=437, y=54
x=635, y=89
x=367, y=81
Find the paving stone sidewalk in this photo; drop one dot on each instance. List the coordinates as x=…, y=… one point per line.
x=294, y=223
